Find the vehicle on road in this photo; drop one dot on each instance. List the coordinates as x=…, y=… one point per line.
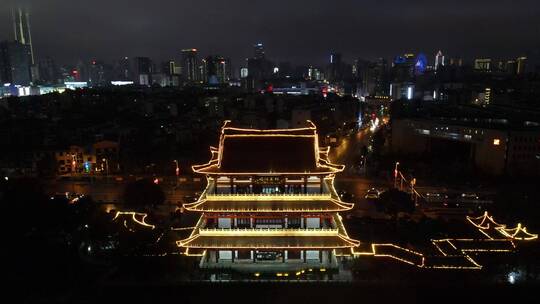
x=434, y=197
x=469, y=196
x=345, y=196
x=372, y=194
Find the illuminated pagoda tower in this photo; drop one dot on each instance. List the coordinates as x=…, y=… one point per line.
x=270, y=204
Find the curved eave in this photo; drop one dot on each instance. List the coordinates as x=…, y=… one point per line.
x=212, y=168
x=205, y=206
x=327, y=163
x=203, y=168
x=267, y=242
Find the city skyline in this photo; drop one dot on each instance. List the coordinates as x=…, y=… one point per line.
x=303, y=35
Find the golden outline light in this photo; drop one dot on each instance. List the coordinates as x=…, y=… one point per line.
x=320, y=162
x=480, y=222
x=335, y=205
x=254, y=232
x=134, y=215
x=514, y=232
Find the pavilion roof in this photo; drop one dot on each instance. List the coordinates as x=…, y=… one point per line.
x=133, y=220
x=484, y=221
x=517, y=233
x=277, y=151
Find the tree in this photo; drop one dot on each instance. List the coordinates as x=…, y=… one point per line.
x=143, y=194
x=394, y=201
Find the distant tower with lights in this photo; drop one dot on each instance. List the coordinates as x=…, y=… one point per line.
x=190, y=65
x=439, y=60
x=21, y=28
x=258, y=51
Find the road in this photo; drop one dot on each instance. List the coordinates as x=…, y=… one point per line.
x=350, y=181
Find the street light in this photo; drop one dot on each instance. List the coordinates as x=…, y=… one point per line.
x=177, y=172
x=396, y=174
x=413, y=192
x=106, y=165
x=73, y=164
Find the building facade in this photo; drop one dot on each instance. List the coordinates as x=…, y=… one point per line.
x=21, y=28
x=269, y=205
x=15, y=63
x=190, y=64
x=100, y=158
x=493, y=151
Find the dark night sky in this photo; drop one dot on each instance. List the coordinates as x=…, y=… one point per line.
x=299, y=31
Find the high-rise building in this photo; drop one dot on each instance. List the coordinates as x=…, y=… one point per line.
x=314, y=73
x=142, y=68
x=335, y=69
x=216, y=70
x=439, y=60
x=244, y=72
x=123, y=70
x=521, y=65
x=169, y=74
x=455, y=62
x=15, y=63
x=21, y=28
x=48, y=71
x=482, y=64
x=169, y=68
x=374, y=77
x=98, y=73
x=259, y=69
x=404, y=67
x=258, y=51
x=190, y=65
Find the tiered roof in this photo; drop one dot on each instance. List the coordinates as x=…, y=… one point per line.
x=292, y=152
x=517, y=233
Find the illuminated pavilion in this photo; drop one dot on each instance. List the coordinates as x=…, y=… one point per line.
x=270, y=203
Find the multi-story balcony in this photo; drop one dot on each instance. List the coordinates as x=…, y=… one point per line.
x=270, y=199
x=246, y=204
x=268, y=246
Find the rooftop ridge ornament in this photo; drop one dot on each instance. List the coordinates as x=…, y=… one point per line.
x=483, y=221
x=134, y=215
x=517, y=233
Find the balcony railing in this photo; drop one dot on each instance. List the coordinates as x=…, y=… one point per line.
x=268, y=232
x=268, y=197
